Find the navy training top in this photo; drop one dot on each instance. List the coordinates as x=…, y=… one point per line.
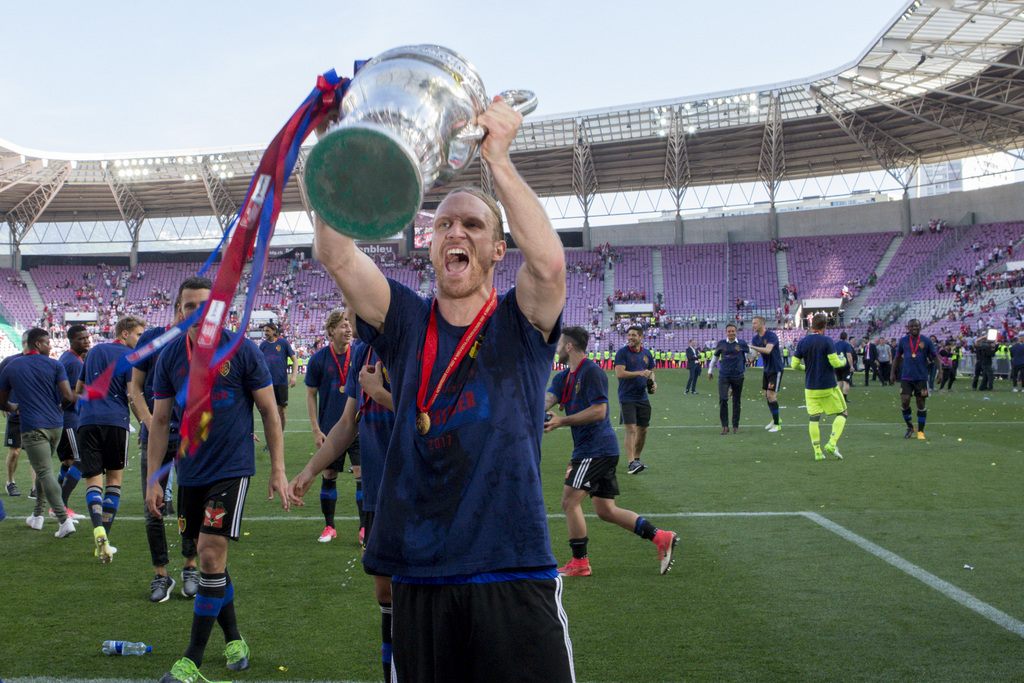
x=375, y=426
x=915, y=357
x=322, y=374
x=35, y=377
x=732, y=357
x=814, y=350
x=73, y=367
x=772, y=361
x=112, y=410
x=276, y=356
x=634, y=389
x=589, y=386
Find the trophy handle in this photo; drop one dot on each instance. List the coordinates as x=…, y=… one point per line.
x=523, y=101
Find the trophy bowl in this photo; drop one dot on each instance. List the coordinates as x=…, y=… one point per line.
x=408, y=125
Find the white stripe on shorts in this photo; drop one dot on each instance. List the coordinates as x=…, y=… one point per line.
x=72, y=435
x=564, y=619
x=236, y=519
x=581, y=474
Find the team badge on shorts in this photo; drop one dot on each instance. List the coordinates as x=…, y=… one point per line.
x=181, y=525
x=213, y=516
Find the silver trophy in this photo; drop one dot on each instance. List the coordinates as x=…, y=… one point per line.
x=408, y=125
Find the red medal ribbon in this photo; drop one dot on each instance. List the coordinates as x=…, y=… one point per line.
x=430, y=350
x=567, y=389
x=913, y=347
x=343, y=374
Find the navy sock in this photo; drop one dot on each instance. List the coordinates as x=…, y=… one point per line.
x=111, y=501
x=385, y=638
x=922, y=417
x=328, y=499
x=359, y=501
x=906, y=418
x=94, y=501
x=645, y=529
x=70, y=481
x=773, y=406
x=207, y=606
x=226, y=618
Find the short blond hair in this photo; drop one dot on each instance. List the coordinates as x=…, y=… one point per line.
x=333, y=318
x=126, y=324
x=492, y=204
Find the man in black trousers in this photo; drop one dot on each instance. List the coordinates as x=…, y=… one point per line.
x=693, y=365
x=870, y=360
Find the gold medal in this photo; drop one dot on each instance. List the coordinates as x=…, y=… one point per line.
x=359, y=415
x=422, y=423
x=913, y=355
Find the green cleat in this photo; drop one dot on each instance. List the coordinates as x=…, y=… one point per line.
x=832, y=449
x=185, y=671
x=237, y=654
x=103, y=550
x=818, y=455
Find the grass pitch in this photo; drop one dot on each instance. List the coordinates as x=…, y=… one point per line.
x=901, y=562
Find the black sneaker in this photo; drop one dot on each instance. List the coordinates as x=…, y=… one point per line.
x=168, y=510
x=32, y=494
x=189, y=582
x=909, y=434
x=12, y=489
x=636, y=467
x=160, y=589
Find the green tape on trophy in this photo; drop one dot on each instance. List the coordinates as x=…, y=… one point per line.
x=362, y=182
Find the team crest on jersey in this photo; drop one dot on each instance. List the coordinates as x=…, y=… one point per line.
x=225, y=369
x=214, y=516
x=277, y=347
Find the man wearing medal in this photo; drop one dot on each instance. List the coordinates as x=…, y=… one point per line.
x=460, y=521
x=911, y=366
x=326, y=375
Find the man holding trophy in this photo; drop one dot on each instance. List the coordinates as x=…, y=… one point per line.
x=461, y=524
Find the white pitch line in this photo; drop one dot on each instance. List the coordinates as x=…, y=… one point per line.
x=949, y=590
x=652, y=515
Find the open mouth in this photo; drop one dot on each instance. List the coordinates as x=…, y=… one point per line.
x=456, y=260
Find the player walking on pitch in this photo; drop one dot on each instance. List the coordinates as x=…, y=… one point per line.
x=816, y=354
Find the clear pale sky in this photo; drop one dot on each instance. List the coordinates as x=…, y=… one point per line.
x=136, y=76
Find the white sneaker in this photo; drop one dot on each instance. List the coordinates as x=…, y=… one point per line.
x=770, y=425
x=66, y=529
x=35, y=521
x=774, y=428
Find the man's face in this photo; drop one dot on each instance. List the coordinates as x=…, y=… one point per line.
x=341, y=334
x=80, y=343
x=914, y=328
x=43, y=346
x=350, y=316
x=270, y=333
x=462, y=249
x=562, y=350
x=634, y=339
x=131, y=337
x=191, y=301
x=758, y=326
x=730, y=333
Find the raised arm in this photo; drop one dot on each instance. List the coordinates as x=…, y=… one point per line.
x=137, y=398
x=540, y=283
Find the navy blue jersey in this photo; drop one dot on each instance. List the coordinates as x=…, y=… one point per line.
x=73, y=367
x=327, y=374
x=466, y=497
x=113, y=409
x=276, y=356
x=376, y=423
x=228, y=452
x=13, y=418
x=915, y=357
x=35, y=377
x=1017, y=354
x=814, y=350
x=773, y=361
x=843, y=348
x=634, y=389
x=732, y=357
x=589, y=386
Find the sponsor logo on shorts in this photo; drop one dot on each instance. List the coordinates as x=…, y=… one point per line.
x=214, y=516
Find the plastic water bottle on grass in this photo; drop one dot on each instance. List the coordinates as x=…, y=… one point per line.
x=121, y=647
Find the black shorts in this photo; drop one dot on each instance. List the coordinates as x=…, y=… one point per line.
x=281, y=395
x=772, y=381
x=353, y=457
x=67, y=449
x=498, y=632
x=594, y=475
x=367, y=525
x=102, y=448
x=916, y=388
x=13, y=436
x=213, y=508
x=844, y=374
x=635, y=413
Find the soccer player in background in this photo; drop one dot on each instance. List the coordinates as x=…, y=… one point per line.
x=910, y=364
x=369, y=416
x=12, y=437
x=70, y=474
x=326, y=375
x=766, y=343
x=844, y=374
x=41, y=383
x=634, y=368
x=816, y=354
x=582, y=391
x=731, y=354
x=276, y=352
x=103, y=433
x=212, y=483
x=142, y=401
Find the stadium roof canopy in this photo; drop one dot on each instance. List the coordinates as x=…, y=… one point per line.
x=944, y=81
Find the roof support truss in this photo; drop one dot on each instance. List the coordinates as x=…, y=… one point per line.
x=584, y=177
x=128, y=204
x=220, y=201
x=677, y=161
x=898, y=159
x=14, y=170
x=998, y=133
x=771, y=168
x=24, y=215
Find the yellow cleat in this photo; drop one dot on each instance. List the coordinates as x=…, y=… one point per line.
x=102, y=546
x=920, y=435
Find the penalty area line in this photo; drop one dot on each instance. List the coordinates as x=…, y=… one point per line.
x=946, y=588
